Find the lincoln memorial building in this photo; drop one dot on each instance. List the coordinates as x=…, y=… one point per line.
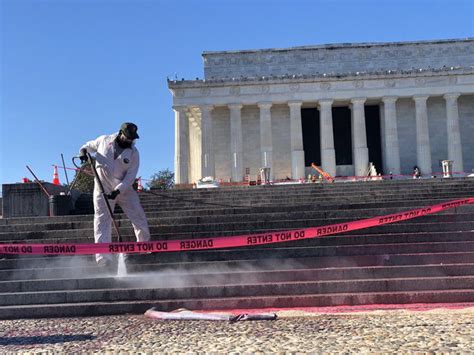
x=340, y=106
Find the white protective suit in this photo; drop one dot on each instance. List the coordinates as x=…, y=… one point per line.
x=116, y=174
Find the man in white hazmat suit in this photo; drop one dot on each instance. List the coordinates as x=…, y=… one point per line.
x=117, y=162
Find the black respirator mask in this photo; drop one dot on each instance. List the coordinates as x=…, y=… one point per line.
x=124, y=142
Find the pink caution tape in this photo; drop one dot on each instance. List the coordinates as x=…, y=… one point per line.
x=226, y=242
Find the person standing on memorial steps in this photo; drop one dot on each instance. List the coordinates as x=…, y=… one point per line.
x=416, y=172
x=117, y=161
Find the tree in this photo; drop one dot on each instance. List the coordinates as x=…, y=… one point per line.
x=162, y=180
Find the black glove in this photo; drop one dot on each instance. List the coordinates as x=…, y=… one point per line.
x=113, y=194
x=83, y=155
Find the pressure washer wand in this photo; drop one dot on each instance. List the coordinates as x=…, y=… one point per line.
x=65, y=171
x=102, y=191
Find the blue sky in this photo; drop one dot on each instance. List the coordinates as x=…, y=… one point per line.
x=72, y=70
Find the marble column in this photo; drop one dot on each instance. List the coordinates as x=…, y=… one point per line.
x=296, y=134
x=454, y=133
x=236, y=142
x=266, y=143
x=207, y=146
x=194, y=150
x=359, y=135
x=328, y=153
x=392, y=148
x=423, y=148
x=181, y=145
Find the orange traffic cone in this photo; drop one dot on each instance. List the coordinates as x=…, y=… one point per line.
x=56, y=176
x=140, y=187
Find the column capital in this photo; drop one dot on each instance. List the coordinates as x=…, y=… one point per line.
x=264, y=104
x=206, y=108
x=235, y=106
x=358, y=100
x=420, y=98
x=325, y=102
x=295, y=103
x=180, y=108
x=451, y=96
x=389, y=99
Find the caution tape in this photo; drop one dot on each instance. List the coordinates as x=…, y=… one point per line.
x=226, y=241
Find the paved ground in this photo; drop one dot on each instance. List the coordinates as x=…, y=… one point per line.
x=385, y=331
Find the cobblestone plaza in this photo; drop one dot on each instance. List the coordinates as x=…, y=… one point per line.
x=439, y=330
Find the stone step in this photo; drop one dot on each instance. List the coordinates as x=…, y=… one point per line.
x=318, y=251
x=35, y=267
x=396, y=228
x=382, y=193
x=368, y=194
x=348, y=194
x=332, y=188
x=327, y=211
x=141, y=263
x=320, y=188
x=196, y=230
x=315, y=300
x=226, y=202
x=376, y=255
x=356, y=237
x=193, y=231
x=409, y=204
x=344, y=215
x=236, y=276
x=384, y=208
x=432, y=185
x=376, y=238
x=352, y=238
x=247, y=289
x=370, y=184
x=324, y=217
